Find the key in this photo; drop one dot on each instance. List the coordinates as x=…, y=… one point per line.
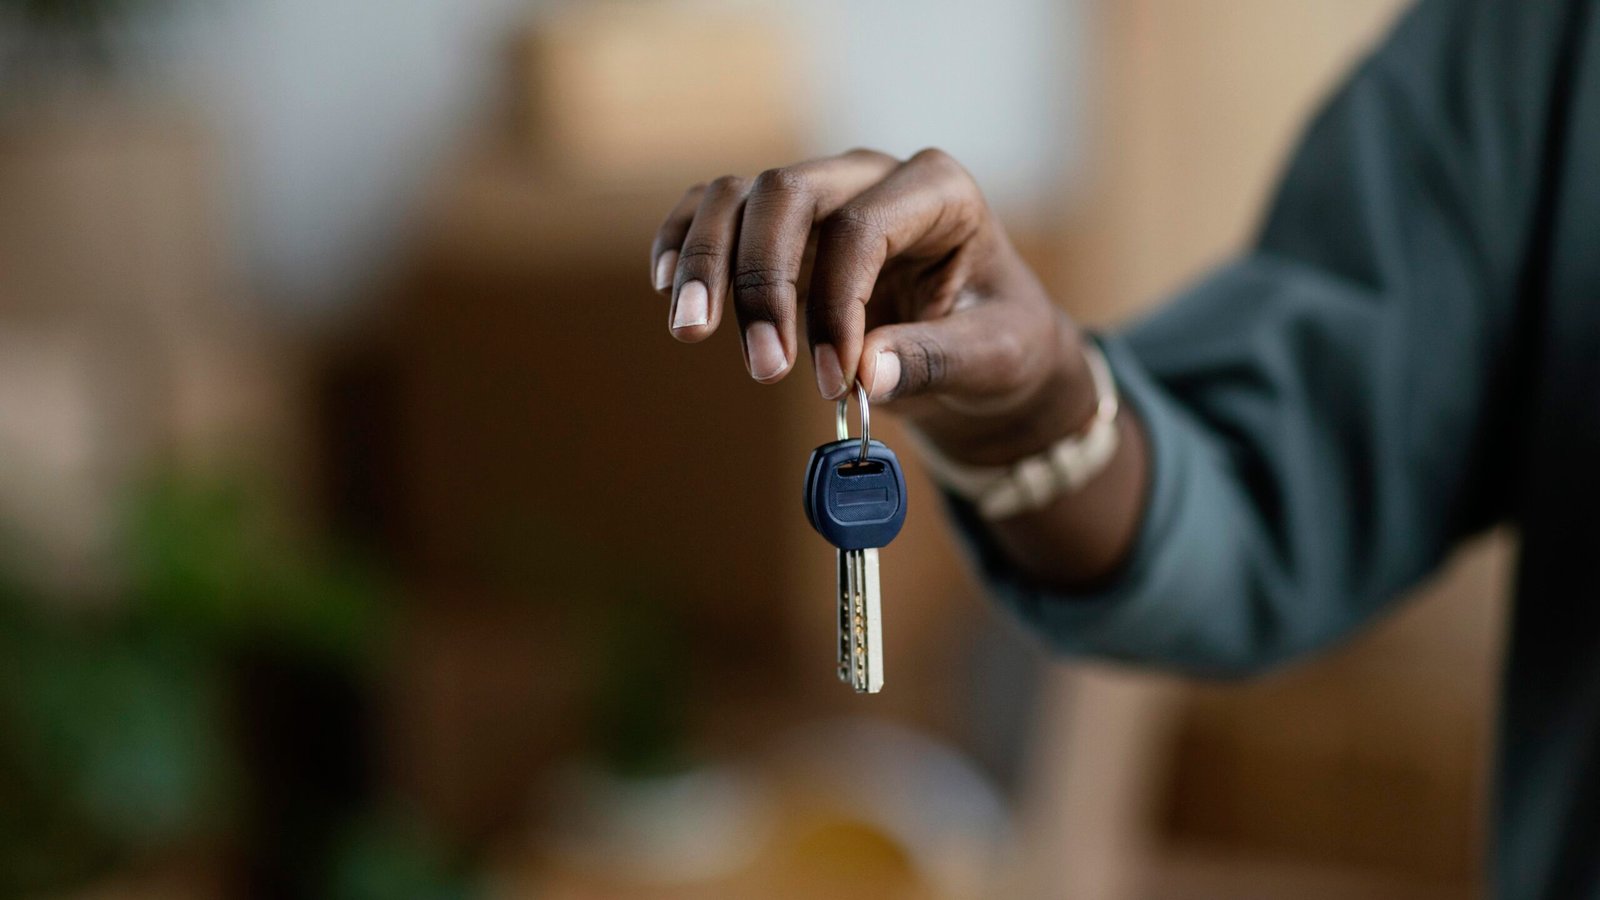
x=858, y=507
x=855, y=497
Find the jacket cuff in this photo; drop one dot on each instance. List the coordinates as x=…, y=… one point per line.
x=1094, y=620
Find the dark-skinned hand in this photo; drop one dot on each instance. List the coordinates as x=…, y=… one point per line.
x=907, y=281
x=911, y=287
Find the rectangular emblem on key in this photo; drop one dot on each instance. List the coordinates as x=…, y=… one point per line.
x=858, y=498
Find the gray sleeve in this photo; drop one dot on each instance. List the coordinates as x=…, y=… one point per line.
x=1330, y=413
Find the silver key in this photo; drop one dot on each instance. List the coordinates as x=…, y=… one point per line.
x=860, y=621
x=855, y=498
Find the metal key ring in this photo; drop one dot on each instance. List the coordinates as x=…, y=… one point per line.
x=842, y=419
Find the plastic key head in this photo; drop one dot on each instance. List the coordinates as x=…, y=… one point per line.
x=855, y=504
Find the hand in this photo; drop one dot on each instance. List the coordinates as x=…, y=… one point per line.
x=914, y=289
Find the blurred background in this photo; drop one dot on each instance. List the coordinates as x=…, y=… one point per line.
x=363, y=533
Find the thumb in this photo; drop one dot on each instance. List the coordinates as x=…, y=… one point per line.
x=983, y=357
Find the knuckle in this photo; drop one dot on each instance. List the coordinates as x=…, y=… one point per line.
x=784, y=182
x=1008, y=354
x=853, y=221
x=923, y=364
x=763, y=291
x=868, y=153
x=946, y=168
x=726, y=186
x=761, y=285
x=700, y=251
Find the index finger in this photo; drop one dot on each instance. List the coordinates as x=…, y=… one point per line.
x=779, y=213
x=929, y=205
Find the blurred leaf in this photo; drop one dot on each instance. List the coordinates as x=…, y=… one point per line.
x=116, y=724
x=642, y=692
x=110, y=744
x=392, y=854
x=218, y=556
x=79, y=14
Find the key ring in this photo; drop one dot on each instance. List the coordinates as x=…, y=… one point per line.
x=842, y=419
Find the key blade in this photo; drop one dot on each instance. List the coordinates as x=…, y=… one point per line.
x=844, y=597
x=860, y=658
x=872, y=611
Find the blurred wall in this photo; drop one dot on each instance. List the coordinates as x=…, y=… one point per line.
x=333, y=115
x=336, y=114
x=999, y=85
x=1194, y=109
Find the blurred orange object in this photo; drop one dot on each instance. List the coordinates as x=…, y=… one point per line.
x=646, y=92
x=908, y=818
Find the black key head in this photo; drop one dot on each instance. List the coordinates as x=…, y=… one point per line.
x=855, y=504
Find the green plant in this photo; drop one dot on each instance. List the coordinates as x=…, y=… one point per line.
x=641, y=693
x=79, y=15
x=118, y=726
x=219, y=560
x=45, y=41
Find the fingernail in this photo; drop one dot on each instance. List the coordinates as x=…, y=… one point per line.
x=830, y=375
x=665, y=264
x=693, y=305
x=885, y=374
x=763, y=350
